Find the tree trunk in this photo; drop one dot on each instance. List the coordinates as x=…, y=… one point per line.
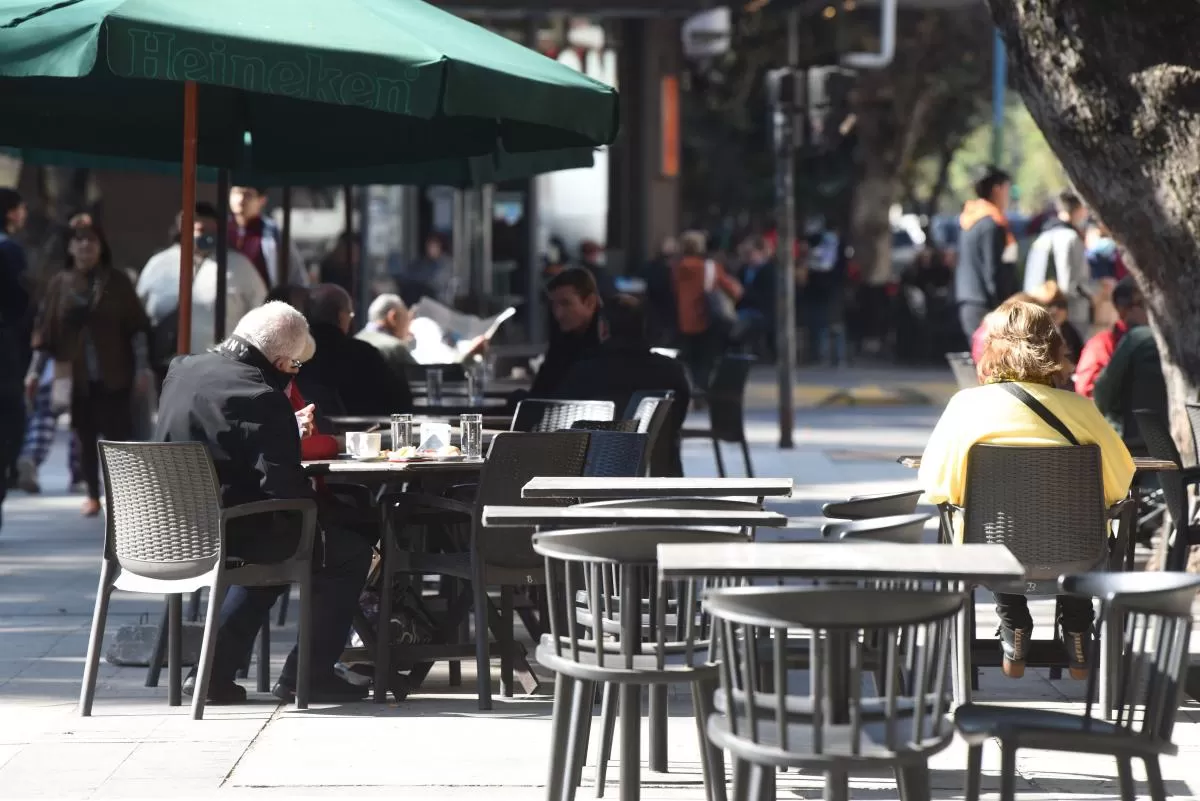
x=1115, y=87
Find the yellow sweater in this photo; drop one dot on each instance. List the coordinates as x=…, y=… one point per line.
x=989, y=414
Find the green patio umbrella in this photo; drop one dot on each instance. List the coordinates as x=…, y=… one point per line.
x=320, y=85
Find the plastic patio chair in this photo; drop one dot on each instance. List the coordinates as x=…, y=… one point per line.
x=1151, y=613
x=660, y=640
x=906, y=529
x=726, y=409
x=654, y=417
x=833, y=728
x=962, y=365
x=1046, y=505
x=540, y=414
x=633, y=409
x=165, y=535
x=865, y=507
x=479, y=557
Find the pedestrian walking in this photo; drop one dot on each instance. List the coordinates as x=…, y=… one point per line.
x=14, y=310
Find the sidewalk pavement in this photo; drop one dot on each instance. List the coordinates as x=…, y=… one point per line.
x=436, y=744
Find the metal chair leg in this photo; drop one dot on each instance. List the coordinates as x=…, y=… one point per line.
x=717, y=453
x=207, y=650
x=507, y=632
x=284, y=600
x=561, y=723
x=762, y=782
x=450, y=590
x=914, y=782
x=193, y=613
x=1008, y=772
x=1125, y=779
x=712, y=759
x=974, y=772
x=631, y=747
x=608, y=714
x=87, y=692
x=264, y=654
x=483, y=663
x=175, y=650
x=577, y=738
x=658, y=728
x=746, y=457
x=741, y=780
x=1154, y=777
x=304, y=645
x=837, y=786
x=160, y=648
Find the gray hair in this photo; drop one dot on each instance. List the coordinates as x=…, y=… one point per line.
x=384, y=305
x=276, y=329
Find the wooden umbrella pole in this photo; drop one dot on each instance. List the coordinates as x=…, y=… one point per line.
x=187, y=223
x=285, y=240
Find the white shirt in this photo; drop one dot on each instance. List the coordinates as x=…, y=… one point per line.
x=158, y=287
x=1061, y=248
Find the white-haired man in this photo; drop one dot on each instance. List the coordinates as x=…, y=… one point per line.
x=233, y=399
x=387, y=330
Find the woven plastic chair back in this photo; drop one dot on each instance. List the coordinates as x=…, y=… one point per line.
x=615, y=454
x=865, y=507
x=1045, y=504
x=635, y=407
x=1153, y=611
x=1193, y=413
x=654, y=416
x=592, y=573
x=537, y=414
x=962, y=365
x=163, y=502
x=513, y=460
x=619, y=426
x=1159, y=443
x=726, y=397
x=764, y=707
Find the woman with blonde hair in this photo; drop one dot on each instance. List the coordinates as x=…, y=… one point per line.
x=1023, y=348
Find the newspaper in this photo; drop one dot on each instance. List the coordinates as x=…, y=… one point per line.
x=444, y=335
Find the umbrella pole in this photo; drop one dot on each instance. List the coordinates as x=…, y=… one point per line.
x=187, y=239
x=222, y=255
x=348, y=228
x=285, y=240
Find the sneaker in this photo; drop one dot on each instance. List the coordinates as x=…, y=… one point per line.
x=329, y=690
x=219, y=694
x=1014, y=642
x=1076, y=646
x=27, y=479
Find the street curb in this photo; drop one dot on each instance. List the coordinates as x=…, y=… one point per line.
x=876, y=396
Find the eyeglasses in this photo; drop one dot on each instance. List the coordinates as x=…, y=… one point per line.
x=297, y=364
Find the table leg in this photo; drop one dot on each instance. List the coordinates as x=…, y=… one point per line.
x=631, y=746
x=658, y=728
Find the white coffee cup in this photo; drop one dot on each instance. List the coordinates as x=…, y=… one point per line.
x=364, y=444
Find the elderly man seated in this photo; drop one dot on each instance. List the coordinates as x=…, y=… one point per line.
x=387, y=330
x=234, y=400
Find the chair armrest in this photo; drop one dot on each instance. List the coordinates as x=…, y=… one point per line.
x=411, y=502
x=1117, y=509
x=1190, y=475
x=305, y=506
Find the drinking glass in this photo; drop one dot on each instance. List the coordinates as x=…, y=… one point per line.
x=402, y=431
x=471, y=441
x=433, y=386
x=475, y=383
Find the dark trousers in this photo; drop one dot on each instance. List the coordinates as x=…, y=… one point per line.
x=700, y=354
x=12, y=432
x=1074, y=614
x=970, y=316
x=99, y=413
x=340, y=566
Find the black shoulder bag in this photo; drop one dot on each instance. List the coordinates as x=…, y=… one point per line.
x=1040, y=410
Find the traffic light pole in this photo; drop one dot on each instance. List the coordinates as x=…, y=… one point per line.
x=783, y=87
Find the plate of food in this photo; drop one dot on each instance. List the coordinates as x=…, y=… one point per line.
x=412, y=454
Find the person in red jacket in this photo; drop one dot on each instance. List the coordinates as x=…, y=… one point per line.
x=1097, y=353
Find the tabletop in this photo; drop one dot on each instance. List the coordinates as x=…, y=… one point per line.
x=598, y=488
x=1144, y=464
x=869, y=560
x=323, y=467
x=363, y=422
x=615, y=515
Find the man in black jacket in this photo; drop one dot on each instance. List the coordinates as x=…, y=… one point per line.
x=347, y=376
x=623, y=366
x=575, y=304
x=233, y=399
x=987, y=252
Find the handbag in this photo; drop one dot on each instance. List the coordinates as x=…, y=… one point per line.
x=722, y=314
x=1040, y=410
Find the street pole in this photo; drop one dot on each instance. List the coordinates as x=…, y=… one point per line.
x=783, y=86
x=999, y=93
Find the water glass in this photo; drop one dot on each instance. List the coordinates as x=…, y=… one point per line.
x=471, y=441
x=475, y=386
x=402, y=431
x=433, y=386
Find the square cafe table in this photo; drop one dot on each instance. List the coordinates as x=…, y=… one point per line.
x=595, y=489
x=585, y=516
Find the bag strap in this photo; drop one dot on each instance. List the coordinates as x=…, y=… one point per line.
x=1040, y=410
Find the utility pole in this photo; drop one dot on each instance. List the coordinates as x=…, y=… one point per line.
x=785, y=87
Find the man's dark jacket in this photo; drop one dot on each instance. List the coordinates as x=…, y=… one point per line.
x=349, y=376
x=564, y=352
x=233, y=400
